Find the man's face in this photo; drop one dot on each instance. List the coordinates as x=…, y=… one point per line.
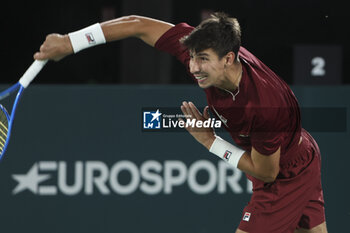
x=207, y=68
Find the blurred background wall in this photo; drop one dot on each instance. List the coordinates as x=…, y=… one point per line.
x=79, y=161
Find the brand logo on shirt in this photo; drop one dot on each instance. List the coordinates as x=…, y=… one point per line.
x=246, y=216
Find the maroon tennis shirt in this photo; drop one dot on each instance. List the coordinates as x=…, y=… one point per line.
x=264, y=114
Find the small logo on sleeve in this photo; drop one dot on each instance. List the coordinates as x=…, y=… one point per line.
x=246, y=216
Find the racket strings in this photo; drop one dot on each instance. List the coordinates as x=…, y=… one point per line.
x=3, y=128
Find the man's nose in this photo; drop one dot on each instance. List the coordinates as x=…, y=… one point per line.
x=194, y=67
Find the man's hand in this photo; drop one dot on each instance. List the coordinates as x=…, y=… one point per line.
x=205, y=136
x=55, y=47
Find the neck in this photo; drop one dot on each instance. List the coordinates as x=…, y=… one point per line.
x=234, y=76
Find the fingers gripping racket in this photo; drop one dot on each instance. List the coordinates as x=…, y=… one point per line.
x=6, y=119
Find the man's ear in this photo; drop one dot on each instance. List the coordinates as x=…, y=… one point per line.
x=230, y=58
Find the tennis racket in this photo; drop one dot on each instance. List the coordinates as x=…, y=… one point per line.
x=6, y=119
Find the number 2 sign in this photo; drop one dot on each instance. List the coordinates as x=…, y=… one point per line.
x=317, y=64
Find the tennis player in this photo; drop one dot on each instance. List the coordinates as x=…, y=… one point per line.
x=258, y=109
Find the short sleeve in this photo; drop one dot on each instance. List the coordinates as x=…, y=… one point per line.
x=169, y=42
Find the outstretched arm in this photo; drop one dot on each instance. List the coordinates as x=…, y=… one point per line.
x=147, y=29
x=57, y=46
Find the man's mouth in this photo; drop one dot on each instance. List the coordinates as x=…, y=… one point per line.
x=201, y=78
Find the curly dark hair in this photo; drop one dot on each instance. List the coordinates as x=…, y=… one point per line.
x=219, y=32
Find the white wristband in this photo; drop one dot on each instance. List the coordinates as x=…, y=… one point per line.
x=226, y=151
x=87, y=37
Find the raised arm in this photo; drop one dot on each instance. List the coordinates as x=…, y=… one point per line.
x=147, y=29
x=57, y=46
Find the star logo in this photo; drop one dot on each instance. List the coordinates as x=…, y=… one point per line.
x=156, y=115
x=152, y=119
x=29, y=181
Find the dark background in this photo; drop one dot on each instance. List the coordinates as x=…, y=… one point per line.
x=270, y=29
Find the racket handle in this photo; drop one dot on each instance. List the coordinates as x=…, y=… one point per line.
x=31, y=72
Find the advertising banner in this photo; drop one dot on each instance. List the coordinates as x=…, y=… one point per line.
x=90, y=159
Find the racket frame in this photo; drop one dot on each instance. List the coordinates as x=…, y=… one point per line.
x=23, y=83
x=10, y=117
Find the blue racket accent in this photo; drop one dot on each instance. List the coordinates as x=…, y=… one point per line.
x=10, y=118
x=9, y=90
x=6, y=122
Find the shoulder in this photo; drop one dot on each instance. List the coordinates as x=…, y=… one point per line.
x=169, y=42
x=174, y=34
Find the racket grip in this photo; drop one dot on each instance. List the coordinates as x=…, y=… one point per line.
x=31, y=72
